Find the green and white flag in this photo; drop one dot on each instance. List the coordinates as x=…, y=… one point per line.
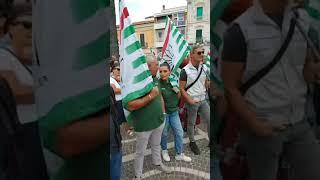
x=313, y=9
x=218, y=27
x=175, y=49
x=71, y=42
x=135, y=74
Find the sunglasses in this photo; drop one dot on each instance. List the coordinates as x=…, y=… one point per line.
x=117, y=69
x=163, y=71
x=200, y=52
x=26, y=25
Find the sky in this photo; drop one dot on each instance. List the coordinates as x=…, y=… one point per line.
x=139, y=9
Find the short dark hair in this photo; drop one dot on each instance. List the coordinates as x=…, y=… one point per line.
x=165, y=64
x=16, y=11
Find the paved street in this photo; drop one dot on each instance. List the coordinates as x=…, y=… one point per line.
x=197, y=169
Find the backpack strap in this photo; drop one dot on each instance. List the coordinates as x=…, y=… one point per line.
x=264, y=71
x=190, y=85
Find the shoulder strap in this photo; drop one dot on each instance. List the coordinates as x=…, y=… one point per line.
x=12, y=53
x=264, y=71
x=190, y=85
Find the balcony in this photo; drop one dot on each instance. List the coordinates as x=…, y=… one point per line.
x=161, y=25
x=158, y=44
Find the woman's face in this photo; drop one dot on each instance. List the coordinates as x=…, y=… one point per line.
x=21, y=32
x=116, y=71
x=164, y=72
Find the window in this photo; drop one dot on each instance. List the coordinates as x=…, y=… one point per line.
x=199, y=36
x=199, y=13
x=142, y=40
x=181, y=23
x=182, y=30
x=181, y=16
x=160, y=37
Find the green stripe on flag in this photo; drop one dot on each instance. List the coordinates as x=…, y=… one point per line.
x=137, y=94
x=83, y=10
x=133, y=47
x=128, y=31
x=175, y=31
x=218, y=11
x=182, y=45
x=92, y=53
x=179, y=37
x=142, y=76
x=141, y=60
x=313, y=12
x=185, y=54
x=217, y=41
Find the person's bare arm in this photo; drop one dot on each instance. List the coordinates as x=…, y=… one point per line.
x=311, y=70
x=184, y=93
x=179, y=94
x=163, y=105
x=115, y=89
x=141, y=102
x=83, y=136
x=24, y=94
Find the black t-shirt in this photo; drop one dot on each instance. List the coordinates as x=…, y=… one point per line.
x=235, y=47
x=183, y=74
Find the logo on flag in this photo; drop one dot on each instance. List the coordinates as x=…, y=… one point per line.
x=175, y=50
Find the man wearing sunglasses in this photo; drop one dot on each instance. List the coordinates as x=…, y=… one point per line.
x=193, y=89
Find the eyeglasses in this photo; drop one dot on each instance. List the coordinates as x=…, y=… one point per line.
x=200, y=52
x=26, y=25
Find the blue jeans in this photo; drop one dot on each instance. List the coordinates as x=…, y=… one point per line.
x=173, y=121
x=115, y=166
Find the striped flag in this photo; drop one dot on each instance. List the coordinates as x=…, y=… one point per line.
x=313, y=9
x=70, y=48
x=175, y=49
x=135, y=74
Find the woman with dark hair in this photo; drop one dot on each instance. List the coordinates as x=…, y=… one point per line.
x=171, y=100
x=115, y=82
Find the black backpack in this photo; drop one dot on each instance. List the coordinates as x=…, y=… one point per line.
x=21, y=156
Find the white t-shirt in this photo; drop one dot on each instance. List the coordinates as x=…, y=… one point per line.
x=113, y=81
x=26, y=112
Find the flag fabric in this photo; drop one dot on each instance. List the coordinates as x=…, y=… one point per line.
x=217, y=30
x=313, y=9
x=175, y=49
x=135, y=75
x=70, y=51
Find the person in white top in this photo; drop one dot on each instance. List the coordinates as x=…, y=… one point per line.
x=14, y=60
x=115, y=82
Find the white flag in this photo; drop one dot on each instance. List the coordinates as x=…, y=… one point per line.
x=135, y=74
x=175, y=50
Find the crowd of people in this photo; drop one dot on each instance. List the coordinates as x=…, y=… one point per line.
x=158, y=111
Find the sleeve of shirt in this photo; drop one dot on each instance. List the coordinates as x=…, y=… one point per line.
x=183, y=75
x=234, y=45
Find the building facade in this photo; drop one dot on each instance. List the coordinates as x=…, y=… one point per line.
x=198, y=24
x=179, y=17
x=145, y=34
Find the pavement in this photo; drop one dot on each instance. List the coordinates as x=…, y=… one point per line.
x=197, y=169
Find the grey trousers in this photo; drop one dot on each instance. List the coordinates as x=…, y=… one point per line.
x=141, y=146
x=204, y=111
x=297, y=145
